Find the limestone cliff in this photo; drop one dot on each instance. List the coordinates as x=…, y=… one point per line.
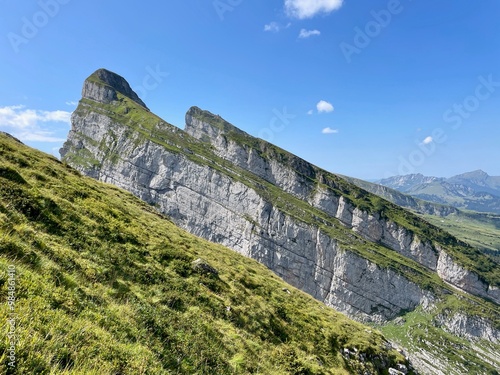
x=354, y=251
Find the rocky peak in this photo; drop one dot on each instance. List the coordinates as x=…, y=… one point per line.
x=407, y=182
x=103, y=85
x=206, y=126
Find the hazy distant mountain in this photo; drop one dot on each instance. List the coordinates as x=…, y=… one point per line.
x=472, y=191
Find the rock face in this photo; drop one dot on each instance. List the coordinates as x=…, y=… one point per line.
x=221, y=184
x=214, y=206
x=295, y=176
x=104, y=85
x=465, y=280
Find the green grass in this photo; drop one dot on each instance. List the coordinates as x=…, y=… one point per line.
x=104, y=285
x=479, y=233
x=419, y=330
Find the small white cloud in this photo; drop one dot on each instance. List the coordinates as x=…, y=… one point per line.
x=309, y=8
x=32, y=125
x=308, y=33
x=427, y=140
x=55, y=116
x=273, y=27
x=329, y=131
x=39, y=136
x=71, y=103
x=324, y=106
x=310, y=112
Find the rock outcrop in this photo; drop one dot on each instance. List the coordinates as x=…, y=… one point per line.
x=103, y=86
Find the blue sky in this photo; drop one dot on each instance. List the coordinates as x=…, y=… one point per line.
x=363, y=88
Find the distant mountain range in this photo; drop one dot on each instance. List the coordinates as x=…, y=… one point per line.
x=475, y=190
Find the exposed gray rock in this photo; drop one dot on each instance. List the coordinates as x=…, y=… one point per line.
x=214, y=206
x=202, y=266
x=470, y=327
x=108, y=93
x=464, y=279
x=296, y=177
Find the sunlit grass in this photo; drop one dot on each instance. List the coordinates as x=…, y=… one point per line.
x=104, y=285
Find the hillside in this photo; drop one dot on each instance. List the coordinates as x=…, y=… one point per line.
x=476, y=191
x=350, y=249
x=106, y=285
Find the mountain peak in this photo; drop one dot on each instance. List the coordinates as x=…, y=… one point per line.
x=204, y=125
x=474, y=175
x=103, y=85
x=406, y=182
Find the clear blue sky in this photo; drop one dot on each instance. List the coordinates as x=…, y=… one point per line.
x=419, y=91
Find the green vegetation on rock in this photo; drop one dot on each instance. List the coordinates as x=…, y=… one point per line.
x=466, y=255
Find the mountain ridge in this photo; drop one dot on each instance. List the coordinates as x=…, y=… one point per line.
x=346, y=247
x=481, y=230
x=476, y=190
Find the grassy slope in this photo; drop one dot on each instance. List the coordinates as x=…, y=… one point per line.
x=105, y=285
x=419, y=335
x=477, y=231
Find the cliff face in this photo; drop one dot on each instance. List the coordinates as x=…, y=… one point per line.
x=214, y=206
x=313, y=229
x=297, y=177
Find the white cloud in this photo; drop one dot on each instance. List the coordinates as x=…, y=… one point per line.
x=324, y=106
x=310, y=112
x=427, y=140
x=309, y=8
x=273, y=26
x=307, y=33
x=329, y=131
x=40, y=136
x=32, y=125
x=71, y=103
